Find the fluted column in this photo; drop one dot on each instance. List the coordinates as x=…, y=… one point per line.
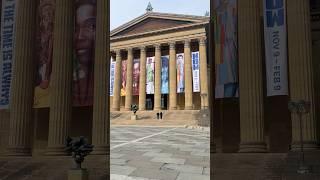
x=61, y=78
x=142, y=81
x=22, y=81
x=300, y=70
x=250, y=78
x=100, y=125
x=172, y=77
x=117, y=83
x=128, y=100
x=188, y=76
x=157, y=80
x=203, y=73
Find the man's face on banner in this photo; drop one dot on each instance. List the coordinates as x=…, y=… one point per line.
x=136, y=71
x=85, y=32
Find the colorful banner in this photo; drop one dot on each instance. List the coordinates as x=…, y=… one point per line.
x=123, y=77
x=226, y=49
x=112, y=74
x=44, y=47
x=136, y=76
x=150, y=75
x=180, y=73
x=84, y=48
x=165, y=75
x=6, y=50
x=195, y=71
x=275, y=34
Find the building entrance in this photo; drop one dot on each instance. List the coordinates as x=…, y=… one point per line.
x=149, y=101
x=164, y=101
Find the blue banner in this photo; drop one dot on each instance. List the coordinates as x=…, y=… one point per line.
x=6, y=50
x=165, y=75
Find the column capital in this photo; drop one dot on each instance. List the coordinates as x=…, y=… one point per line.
x=157, y=47
x=202, y=40
x=118, y=52
x=143, y=48
x=172, y=45
x=129, y=49
x=187, y=43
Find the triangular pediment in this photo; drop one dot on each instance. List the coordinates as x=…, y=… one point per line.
x=152, y=21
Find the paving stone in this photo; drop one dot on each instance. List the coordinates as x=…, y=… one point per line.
x=183, y=168
x=194, y=153
x=122, y=177
x=154, y=154
x=118, y=161
x=206, y=171
x=154, y=173
x=116, y=155
x=189, y=176
x=168, y=160
x=121, y=170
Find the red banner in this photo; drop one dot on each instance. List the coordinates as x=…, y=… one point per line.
x=84, y=43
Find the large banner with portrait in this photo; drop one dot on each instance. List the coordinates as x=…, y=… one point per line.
x=6, y=50
x=226, y=48
x=44, y=51
x=123, y=77
x=150, y=75
x=135, y=77
x=196, y=71
x=112, y=74
x=84, y=49
x=165, y=75
x=275, y=33
x=180, y=72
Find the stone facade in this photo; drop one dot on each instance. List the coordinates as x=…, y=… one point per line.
x=158, y=34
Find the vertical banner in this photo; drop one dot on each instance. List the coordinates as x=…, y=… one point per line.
x=180, y=73
x=275, y=47
x=196, y=71
x=123, y=77
x=165, y=75
x=84, y=49
x=136, y=77
x=226, y=49
x=7, y=48
x=44, y=47
x=150, y=75
x=112, y=74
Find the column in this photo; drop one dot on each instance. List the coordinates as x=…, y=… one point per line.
x=157, y=80
x=100, y=124
x=22, y=88
x=300, y=70
x=203, y=73
x=117, y=83
x=142, y=81
x=250, y=78
x=61, y=78
x=128, y=100
x=172, y=77
x=188, y=76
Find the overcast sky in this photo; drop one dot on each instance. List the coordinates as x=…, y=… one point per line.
x=123, y=11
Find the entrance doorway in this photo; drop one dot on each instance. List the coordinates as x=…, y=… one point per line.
x=149, y=101
x=164, y=101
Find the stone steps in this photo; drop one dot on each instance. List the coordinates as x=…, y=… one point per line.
x=172, y=117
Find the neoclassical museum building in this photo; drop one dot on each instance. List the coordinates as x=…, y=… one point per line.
x=59, y=77
x=159, y=62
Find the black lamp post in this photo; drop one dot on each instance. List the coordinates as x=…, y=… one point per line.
x=300, y=107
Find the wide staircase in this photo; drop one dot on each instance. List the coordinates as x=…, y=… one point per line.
x=149, y=118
